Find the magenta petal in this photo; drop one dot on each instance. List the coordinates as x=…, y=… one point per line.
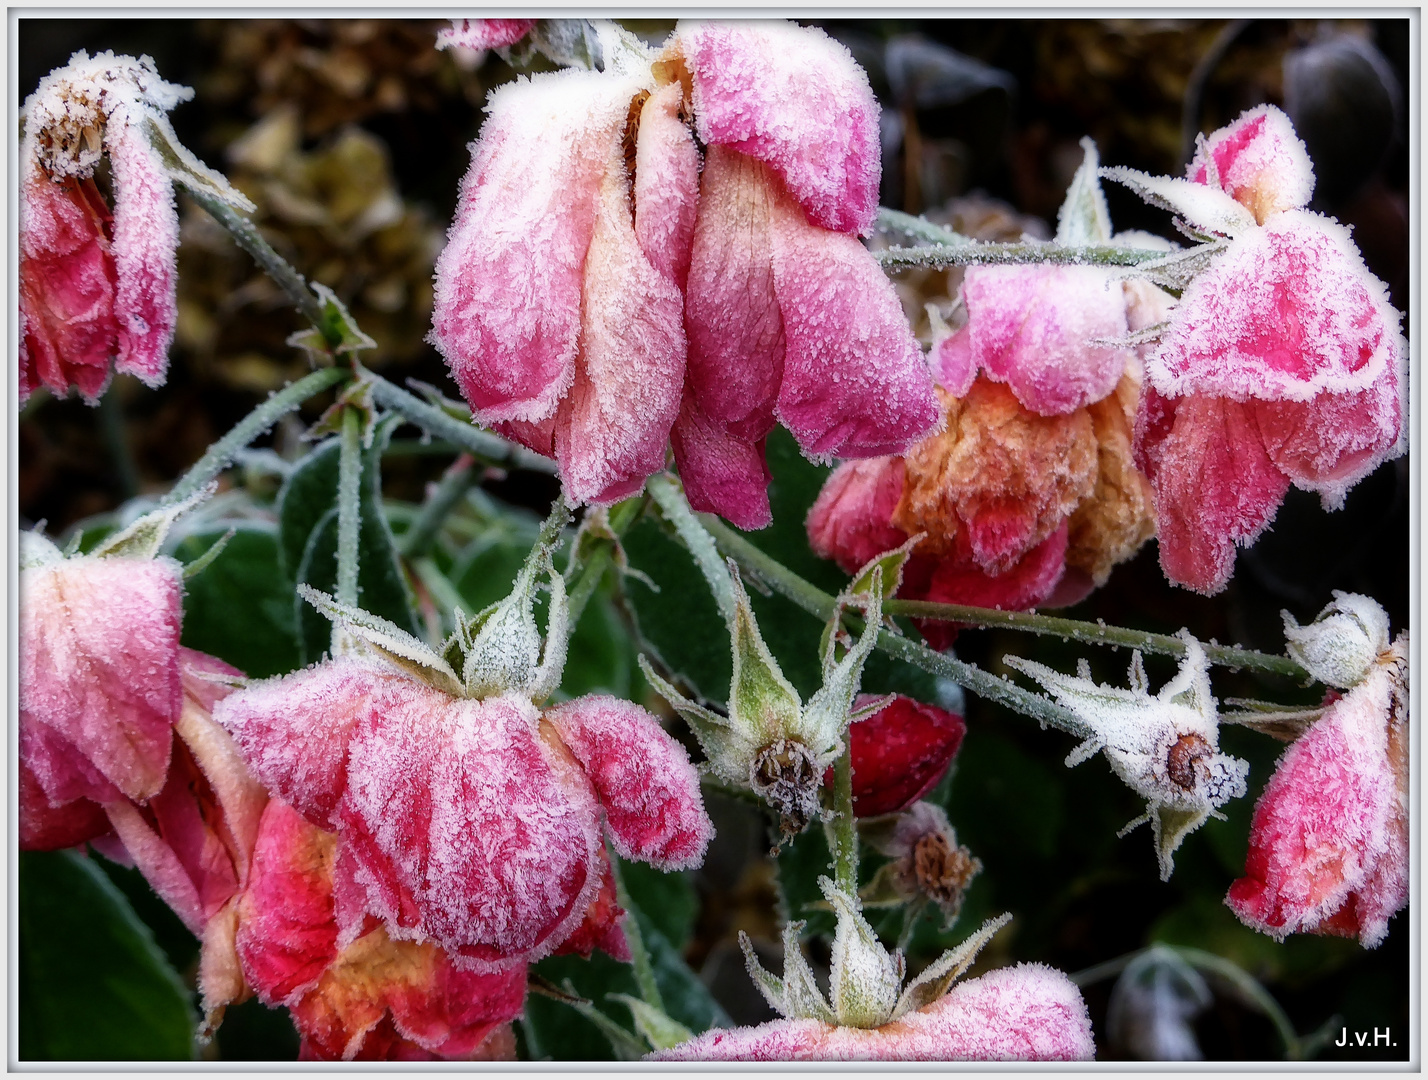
x=508, y=284
x=145, y=252
x=1032, y=327
x=612, y=427
x=49, y=828
x=1287, y=313
x=643, y=778
x=797, y=100
x=666, y=184
x=851, y=520
x=736, y=342
x=99, y=665
x=953, y=364
x=1260, y=161
x=722, y=474
x=1213, y=485
x=855, y=383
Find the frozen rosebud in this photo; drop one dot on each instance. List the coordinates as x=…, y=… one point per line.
x=95, y=286
x=1165, y=747
x=899, y=753
x=1259, y=161
x=483, y=33
x=1329, y=838
x=367, y=997
x=558, y=297
x=927, y=862
x=1341, y=646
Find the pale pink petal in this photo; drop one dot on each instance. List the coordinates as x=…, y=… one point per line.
x=722, y=473
x=1260, y=161
x=1287, y=313
x=63, y=773
x=508, y=284
x=851, y=520
x=612, y=427
x=160, y=864
x=736, y=337
x=1025, y=1013
x=294, y=731
x=1212, y=482
x=643, y=778
x=466, y=827
x=66, y=285
x=49, y=828
x=666, y=184
x=952, y=362
x=855, y=382
x=99, y=665
x=145, y=250
x=483, y=33
x=1032, y=327
x=797, y=100
x=1328, y=842
x=220, y=973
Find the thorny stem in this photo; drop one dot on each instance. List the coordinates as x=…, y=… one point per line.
x=482, y=445
x=349, y=508
x=941, y=256
x=845, y=829
x=639, y=955
x=455, y=483
x=1093, y=634
x=279, y=269
x=221, y=453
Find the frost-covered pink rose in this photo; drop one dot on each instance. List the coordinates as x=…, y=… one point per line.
x=1282, y=364
x=472, y=823
x=372, y=998
x=1025, y=1013
x=96, y=287
x=1329, y=839
x=790, y=320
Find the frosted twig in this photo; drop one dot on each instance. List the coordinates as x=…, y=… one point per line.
x=940, y=256
x=349, y=506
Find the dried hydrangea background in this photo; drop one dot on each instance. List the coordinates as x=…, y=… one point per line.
x=350, y=136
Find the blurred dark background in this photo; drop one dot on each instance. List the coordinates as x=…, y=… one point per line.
x=351, y=135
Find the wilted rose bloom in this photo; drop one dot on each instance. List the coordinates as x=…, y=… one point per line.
x=371, y=998
x=95, y=286
x=471, y=823
x=1016, y=509
x=1329, y=839
x=591, y=262
x=1282, y=364
x=926, y=863
x=1029, y=1012
x=899, y=753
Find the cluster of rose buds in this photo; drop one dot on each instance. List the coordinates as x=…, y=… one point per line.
x=1329, y=838
x=96, y=287
x=604, y=293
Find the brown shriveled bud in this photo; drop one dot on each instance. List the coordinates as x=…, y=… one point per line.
x=943, y=871
x=1001, y=475
x=927, y=862
x=786, y=775
x=1180, y=759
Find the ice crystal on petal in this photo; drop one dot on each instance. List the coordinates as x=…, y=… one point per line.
x=1166, y=746
x=1329, y=838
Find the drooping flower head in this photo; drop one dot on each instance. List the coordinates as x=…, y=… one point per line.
x=466, y=814
x=1329, y=838
x=592, y=260
x=1166, y=747
x=1282, y=364
x=96, y=286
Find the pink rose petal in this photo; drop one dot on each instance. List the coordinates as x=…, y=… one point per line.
x=642, y=777
x=796, y=100
x=1261, y=163
x=49, y=828
x=953, y=363
x=851, y=520
x=722, y=473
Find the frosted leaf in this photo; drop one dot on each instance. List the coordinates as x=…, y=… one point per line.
x=1207, y=208
x=99, y=678
x=144, y=537
x=865, y=978
x=1029, y=1012
x=1259, y=161
x=1329, y=837
x=1165, y=747
x=1084, y=218
x=795, y=99
x=392, y=641
x=1341, y=645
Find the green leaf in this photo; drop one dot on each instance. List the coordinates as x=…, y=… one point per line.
x=667, y=900
x=801, y=862
x=556, y=1032
x=93, y=984
x=240, y=608
x=686, y=998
